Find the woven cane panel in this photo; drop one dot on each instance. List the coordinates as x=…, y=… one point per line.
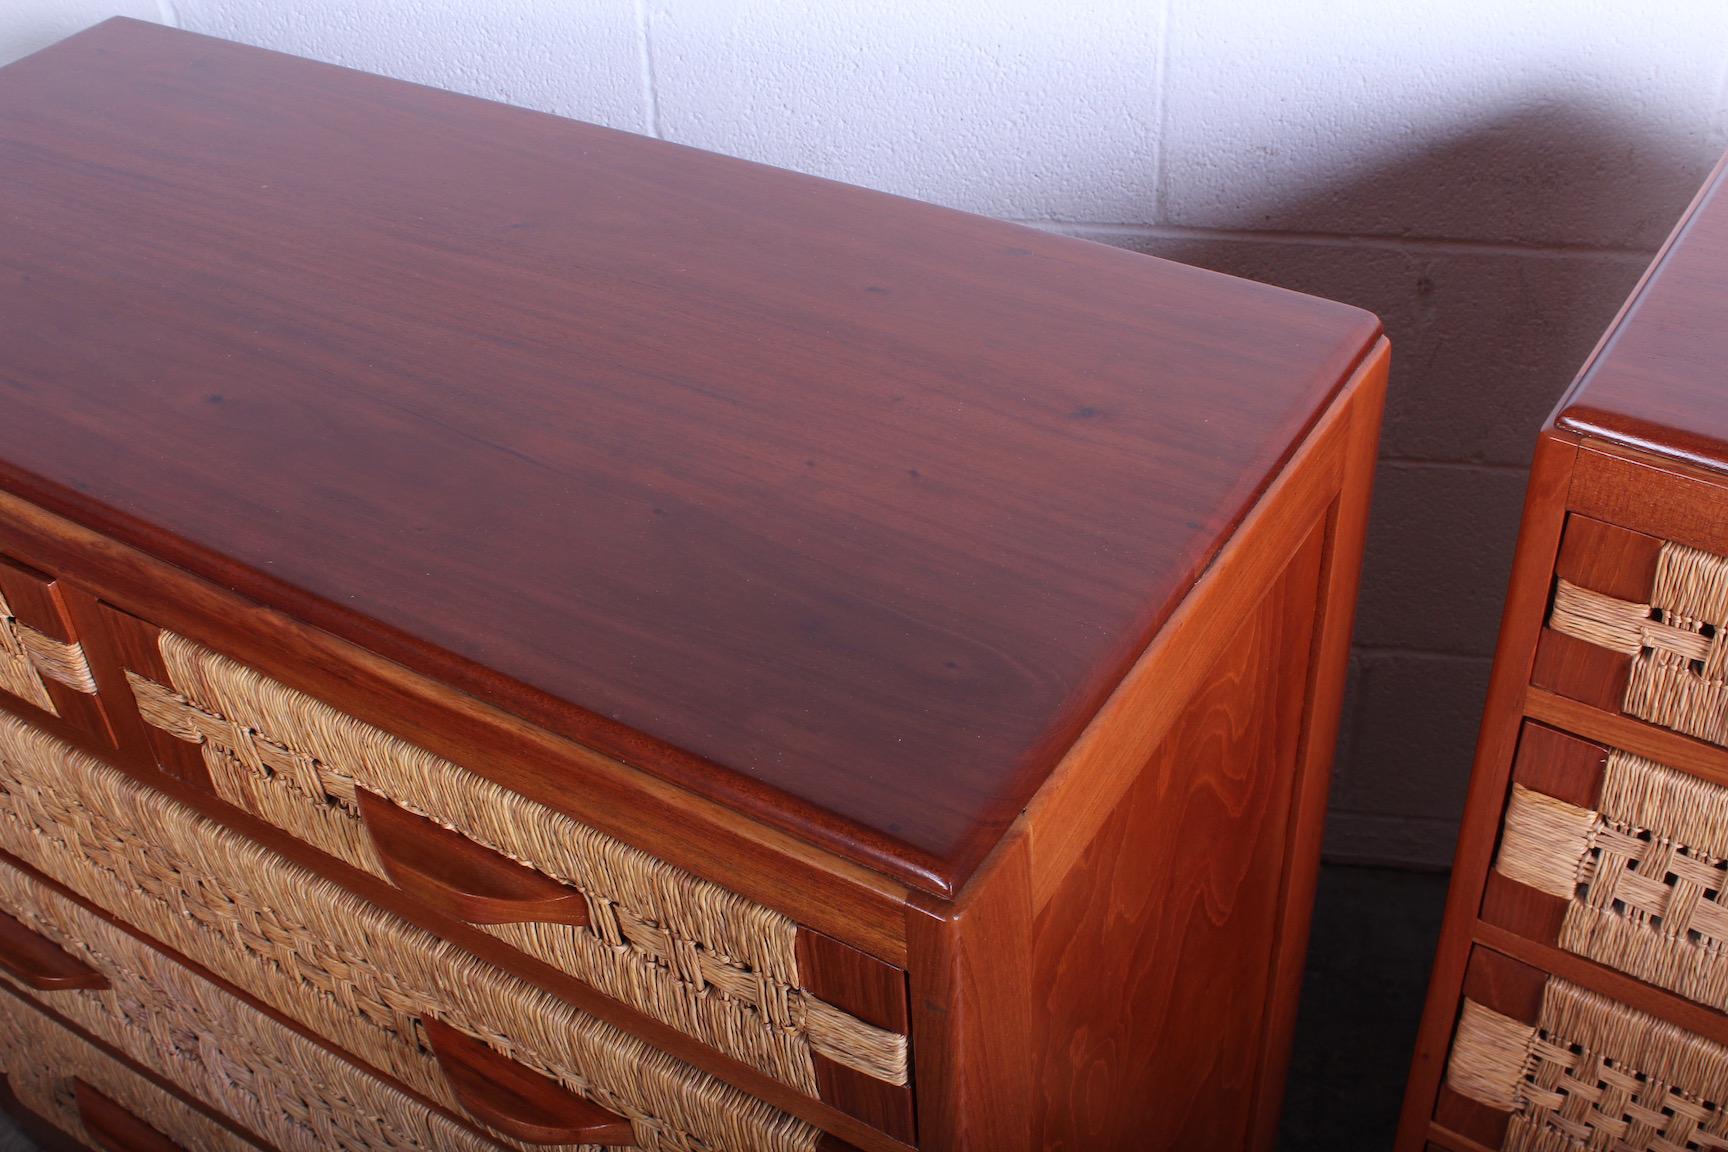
x=684, y=951
x=1645, y=876
x=18, y=673
x=1592, y=1074
x=40, y=1060
x=339, y=965
x=219, y=1050
x=1679, y=658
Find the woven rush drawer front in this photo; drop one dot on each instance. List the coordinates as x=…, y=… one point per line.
x=1586, y=1072
x=215, y=1047
x=366, y=980
x=43, y=1064
x=41, y=661
x=1656, y=611
x=1634, y=856
x=686, y=952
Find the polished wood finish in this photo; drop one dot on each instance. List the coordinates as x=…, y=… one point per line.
x=518, y=1102
x=977, y=599
x=1636, y=453
x=113, y=1128
x=942, y=477
x=876, y=993
x=1192, y=865
x=452, y=874
x=37, y=600
x=42, y=964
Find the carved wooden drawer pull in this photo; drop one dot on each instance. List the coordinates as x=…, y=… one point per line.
x=40, y=964
x=503, y=1095
x=459, y=877
x=112, y=1128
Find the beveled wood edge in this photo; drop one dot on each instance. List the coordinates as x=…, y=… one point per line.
x=973, y=1028
x=1694, y=757
x=1599, y=978
x=1556, y=419
x=1345, y=522
x=1454, y=1141
x=155, y=1079
x=486, y=947
x=813, y=886
x=1652, y=494
x=1521, y=623
x=1084, y=789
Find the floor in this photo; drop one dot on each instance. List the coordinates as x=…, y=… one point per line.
x=1374, y=933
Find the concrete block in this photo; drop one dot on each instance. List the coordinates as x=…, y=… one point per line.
x=1017, y=108
x=1585, y=123
x=28, y=25
x=1483, y=344
x=583, y=60
x=1415, y=726
x=1440, y=543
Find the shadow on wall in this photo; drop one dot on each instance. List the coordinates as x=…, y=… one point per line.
x=1486, y=333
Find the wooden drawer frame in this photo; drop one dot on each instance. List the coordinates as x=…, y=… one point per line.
x=1615, y=507
x=989, y=1070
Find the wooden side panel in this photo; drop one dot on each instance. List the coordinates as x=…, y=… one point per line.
x=1154, y=963
x=972, y=1009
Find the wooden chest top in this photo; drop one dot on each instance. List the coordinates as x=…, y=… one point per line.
x=845, y=509
x=1659, y=379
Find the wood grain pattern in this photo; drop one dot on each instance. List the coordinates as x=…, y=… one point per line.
x=1608, y=559
x=1082, y=794
x=1346, y=527
x=974, y=1021
x=119, y=642
x=37, y=600
x=845, y=510
x=1560, y=765
x=1697, y=757
x=1157, y=1044
x=876, y=993
x=1584, y=671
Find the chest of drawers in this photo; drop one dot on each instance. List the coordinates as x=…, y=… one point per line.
x=516, y=634
x=1579, y=994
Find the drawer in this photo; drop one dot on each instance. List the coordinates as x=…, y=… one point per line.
x=92, y=1097
x=398, y=998
x=1617, y=858
x=205, y=1041
x=42, y=662
x=1539, y=1064
x=684, y=951
x=1635, y=626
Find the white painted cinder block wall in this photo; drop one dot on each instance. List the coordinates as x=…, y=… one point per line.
x=1489, y=177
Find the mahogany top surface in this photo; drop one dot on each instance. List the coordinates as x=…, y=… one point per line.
x=1660, y=380
x=842, y=508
